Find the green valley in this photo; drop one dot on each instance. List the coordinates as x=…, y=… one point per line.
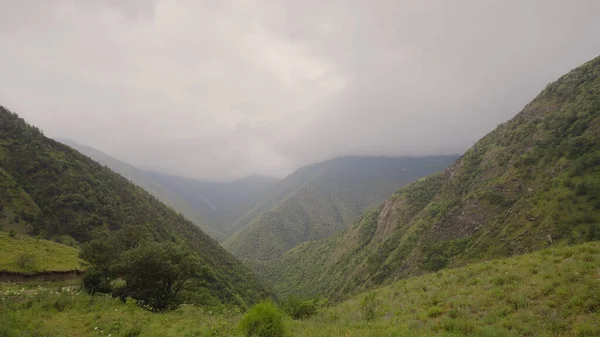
x=531, y=183
x=503, y=241
x=321, y=199
x=54, y=192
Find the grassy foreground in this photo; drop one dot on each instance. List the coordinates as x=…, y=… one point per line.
x=26, y=255
x=554, y=292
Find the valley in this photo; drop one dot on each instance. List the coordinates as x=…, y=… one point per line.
x=501, y=241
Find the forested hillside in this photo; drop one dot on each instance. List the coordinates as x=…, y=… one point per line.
x=320, y=199
x=531, y=183
x=213, y=206
x=168, y=196
x=51, y=190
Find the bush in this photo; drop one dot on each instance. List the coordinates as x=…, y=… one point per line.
x=94, y=281
x=369, y=305
x=434, y=312
x=156, y=273
x=300, y=309
x=263, y=320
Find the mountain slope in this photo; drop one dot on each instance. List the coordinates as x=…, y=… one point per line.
x=554, y=292
x=65, y=193
x=145, y=180
x=213, y=206
x=321, y=199
x=220, y=202
x=532, y=182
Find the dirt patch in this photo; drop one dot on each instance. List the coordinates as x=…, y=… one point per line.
x=45, y=276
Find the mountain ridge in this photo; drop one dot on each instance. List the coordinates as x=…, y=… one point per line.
x=532, y=182
x=320, y=199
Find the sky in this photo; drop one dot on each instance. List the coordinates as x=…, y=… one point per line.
x=222, y=89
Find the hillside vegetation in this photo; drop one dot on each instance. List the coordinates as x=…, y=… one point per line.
x=144, y=180
x=554, y=292
x=320, y=199
x=25, y=255
x=532, y=182
x=213, y=206
x=57, y=193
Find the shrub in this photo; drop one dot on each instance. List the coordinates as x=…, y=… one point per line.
x=434, y=312
x=369, y=305
x=94, y=281
x=300, y=309
x=263, y=320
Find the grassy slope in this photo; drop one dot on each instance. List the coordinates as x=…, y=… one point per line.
x=26, y=255
x=321, y=199
x=533, y=181
x=554, y=292
x=78, y=197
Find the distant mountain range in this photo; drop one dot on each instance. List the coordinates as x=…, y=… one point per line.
x=261, y=218
x=323, y=198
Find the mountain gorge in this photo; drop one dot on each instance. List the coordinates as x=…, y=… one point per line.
x=52, y=191
x=223, y=203
x=320, y=199
x=212, y=206
x=532, y=182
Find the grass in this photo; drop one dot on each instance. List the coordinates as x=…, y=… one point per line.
x=27, y=255
x=554, y=292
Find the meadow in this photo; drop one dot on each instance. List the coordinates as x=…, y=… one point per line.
x=553, y=292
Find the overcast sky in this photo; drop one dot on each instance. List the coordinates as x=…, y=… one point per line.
x=221, y=89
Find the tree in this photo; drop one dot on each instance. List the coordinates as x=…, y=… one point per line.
x=101, y=254
x=155, y=273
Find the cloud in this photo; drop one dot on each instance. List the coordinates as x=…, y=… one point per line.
x=223, y=89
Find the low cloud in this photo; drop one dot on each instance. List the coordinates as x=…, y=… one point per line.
x=224, y=89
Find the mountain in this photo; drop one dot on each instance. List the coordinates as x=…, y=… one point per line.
x=533, y=182
x=212, y=206
x=144, y=180
x=222, y=203
x=320, y=199
x=51, y=190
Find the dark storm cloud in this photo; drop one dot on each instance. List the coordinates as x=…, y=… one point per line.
x=222, y=89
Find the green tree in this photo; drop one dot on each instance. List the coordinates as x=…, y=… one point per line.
x=156, y=273
x=101, y=255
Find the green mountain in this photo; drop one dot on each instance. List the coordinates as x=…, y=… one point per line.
x=212, y=206
x=531, y=183
x=51, y=190
x=320, y=199
x=223, y=203
x=168, y=196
